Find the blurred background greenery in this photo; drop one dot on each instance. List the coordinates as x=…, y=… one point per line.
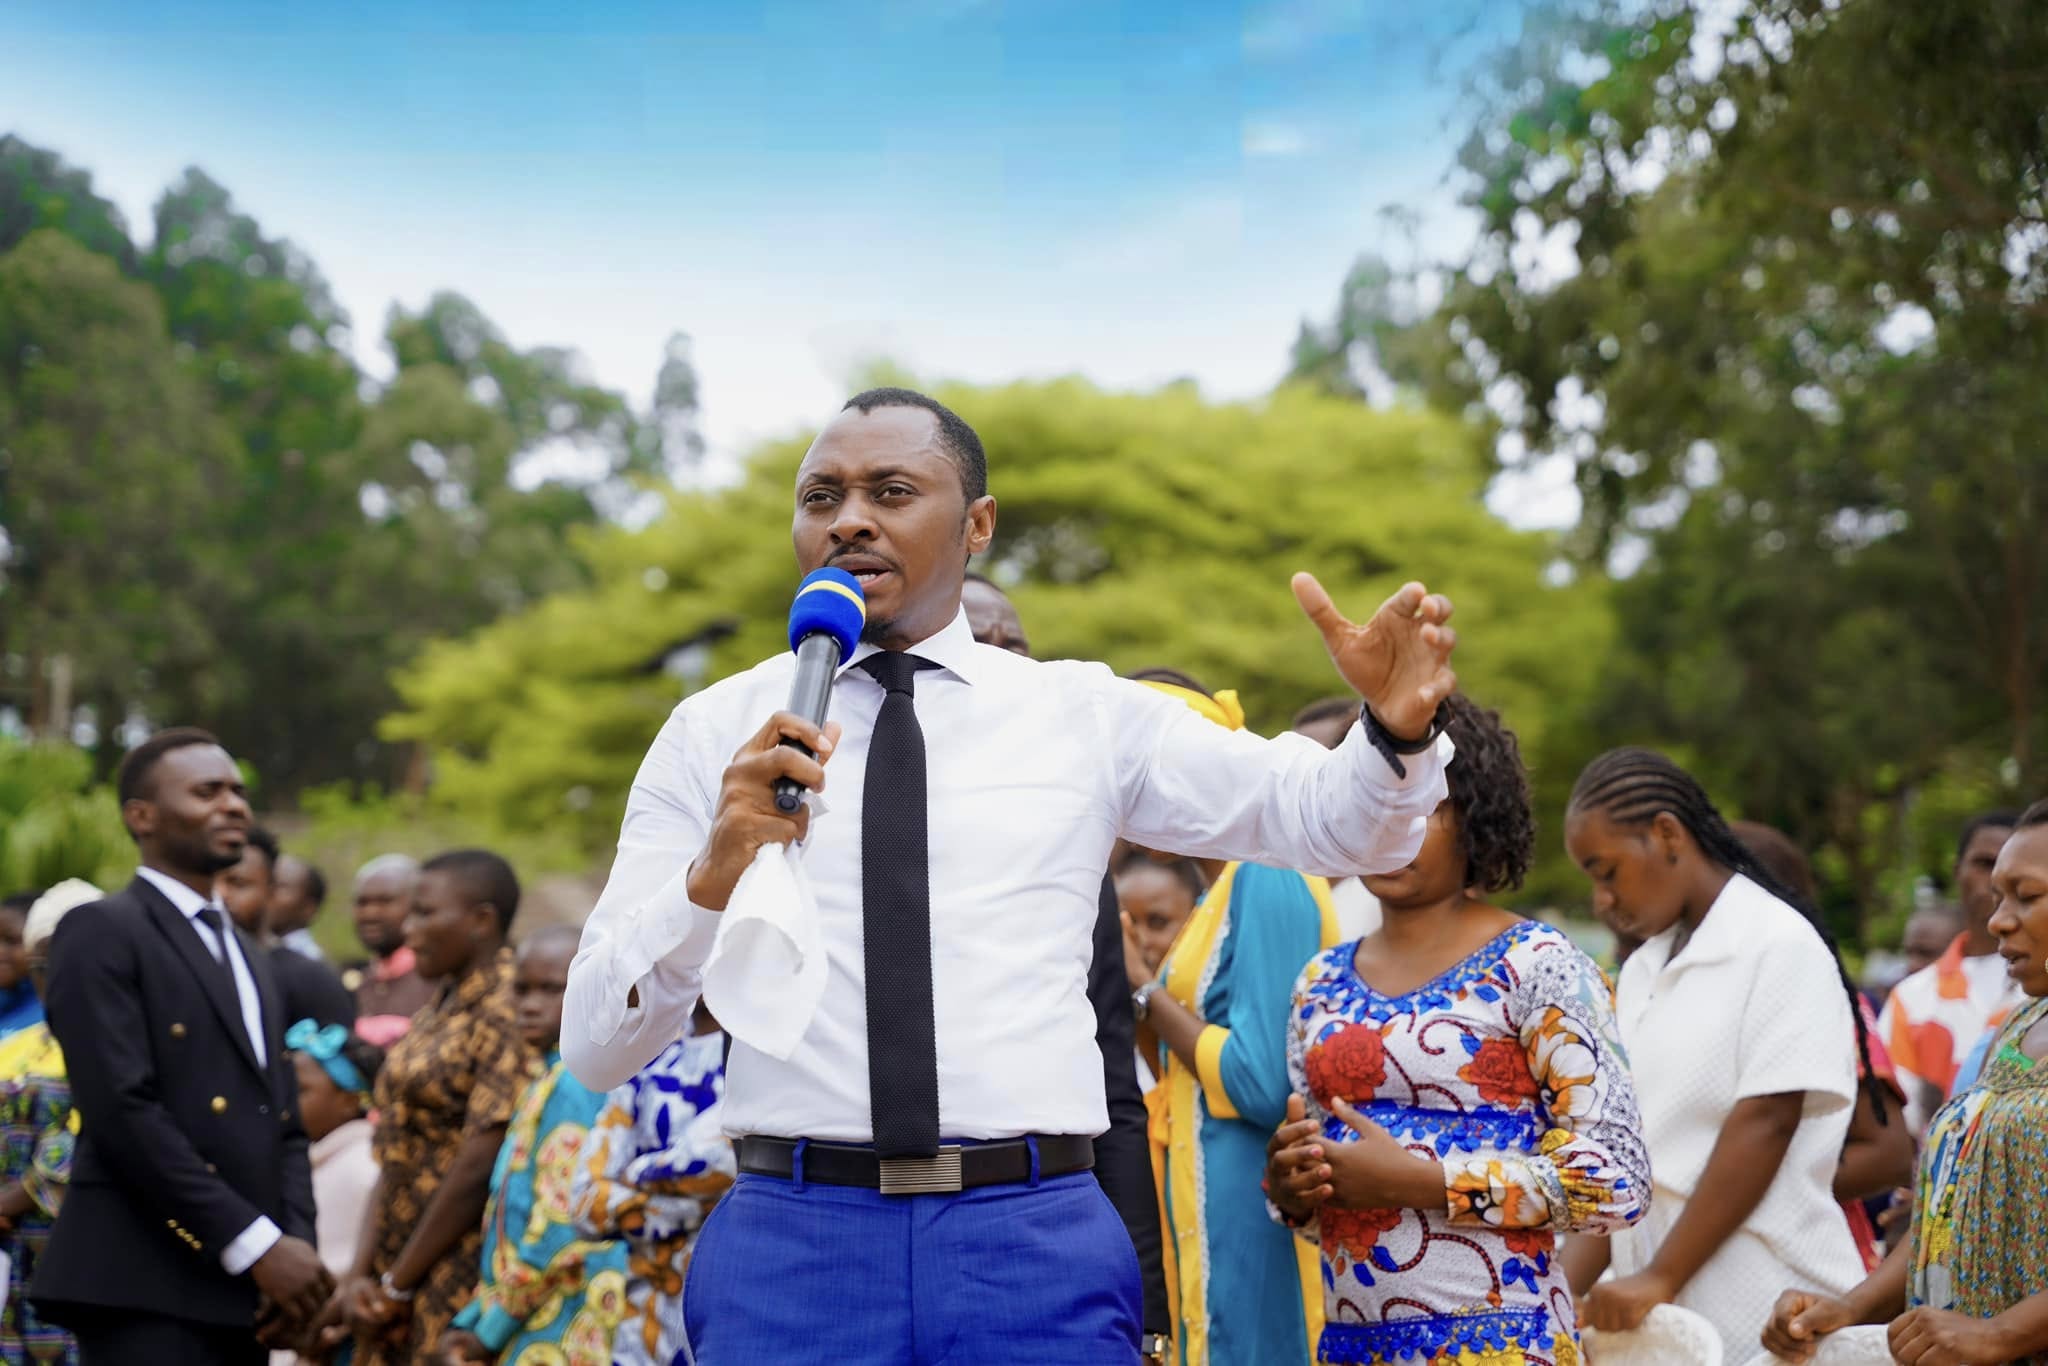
x=1768, y=279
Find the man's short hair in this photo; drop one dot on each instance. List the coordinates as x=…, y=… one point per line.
x=262, y=839
x=316, y=884
x=404, y=865
x=483, y=876
x=956, y=438
x=132, y=781
x=1325, y=709
x=1988, y=820
x=1159, y=673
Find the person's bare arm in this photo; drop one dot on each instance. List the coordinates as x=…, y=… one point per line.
x=1745, y=1160
x=457, y=1207
x=1877, y=1157
x=1585, y=1259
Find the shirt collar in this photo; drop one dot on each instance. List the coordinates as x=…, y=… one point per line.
x=188, y=902
x=1951, y=983
x=399, y=964
x=953, y=649
x=1724, y=930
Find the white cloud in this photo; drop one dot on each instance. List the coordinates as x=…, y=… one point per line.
x=1288, y=28
x=1270, y=138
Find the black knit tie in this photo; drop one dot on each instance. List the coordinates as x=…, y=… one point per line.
x=896, y=917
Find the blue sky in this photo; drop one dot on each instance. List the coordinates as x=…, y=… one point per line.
x=1137, y=191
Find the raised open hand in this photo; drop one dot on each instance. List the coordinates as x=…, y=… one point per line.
x=1400, y=661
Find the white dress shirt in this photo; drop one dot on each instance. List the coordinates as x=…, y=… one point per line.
x=1033, y=770
x=252, y=1242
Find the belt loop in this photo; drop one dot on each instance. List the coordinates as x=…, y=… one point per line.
x=1031, y=1142
x=796, y=1164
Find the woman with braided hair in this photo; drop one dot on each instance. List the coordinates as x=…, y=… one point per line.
x=1741, y=1026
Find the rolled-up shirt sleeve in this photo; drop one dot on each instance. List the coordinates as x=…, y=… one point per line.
x=1188, y=786
x=638, y=972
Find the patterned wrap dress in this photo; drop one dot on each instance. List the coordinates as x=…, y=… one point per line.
x=654, y=1165
x=457, y=1072
x=1977, y=1247
x=38, y=1132
x=547, y=1295
x=1506, y=1069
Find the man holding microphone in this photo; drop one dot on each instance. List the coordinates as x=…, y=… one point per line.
x=914, y=1179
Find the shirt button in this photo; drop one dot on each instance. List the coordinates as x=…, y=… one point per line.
x=220, y=1105
x=263, y=1109
x=177, y=1030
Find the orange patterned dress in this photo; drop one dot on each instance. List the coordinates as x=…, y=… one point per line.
x=457, y=1072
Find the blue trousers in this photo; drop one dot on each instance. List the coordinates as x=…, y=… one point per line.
x=1035, y=1275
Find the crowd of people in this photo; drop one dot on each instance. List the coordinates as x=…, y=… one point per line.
x=1377, y=1119
x=1728, y=1128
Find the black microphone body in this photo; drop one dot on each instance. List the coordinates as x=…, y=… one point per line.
x=810, y=696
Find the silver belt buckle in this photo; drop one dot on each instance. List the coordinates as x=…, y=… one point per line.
x=936, y=1175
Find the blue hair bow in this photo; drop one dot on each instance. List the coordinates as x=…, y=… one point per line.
x=323, y=1044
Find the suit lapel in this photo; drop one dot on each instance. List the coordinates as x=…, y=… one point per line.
x=214, y=979
x=269, y=993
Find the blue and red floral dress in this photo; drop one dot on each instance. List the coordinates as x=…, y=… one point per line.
x=1507, y=1070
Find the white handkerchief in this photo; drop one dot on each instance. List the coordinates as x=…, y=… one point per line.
x=766, y=971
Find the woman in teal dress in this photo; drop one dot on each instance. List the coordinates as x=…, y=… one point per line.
x=547, y=1295
x=1244, y=1291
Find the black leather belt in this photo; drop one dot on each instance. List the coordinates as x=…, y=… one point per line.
x=957, y=1166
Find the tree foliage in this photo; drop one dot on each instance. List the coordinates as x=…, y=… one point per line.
x=1773, y=278
x=1135, y=529
x=211, y=513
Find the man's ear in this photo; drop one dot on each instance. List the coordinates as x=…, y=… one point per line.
x=981, y=525
x=139, y=815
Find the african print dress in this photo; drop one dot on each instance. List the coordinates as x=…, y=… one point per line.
x=1507, y=1070
x=654, y=1165
x=38, y=1131
x=1977, y=1244
x=456, y=1073
x=547, y=1296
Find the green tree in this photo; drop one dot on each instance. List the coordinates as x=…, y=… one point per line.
x=360, y=519
x=1136, y=529
x=110, y=470
x=1773, y=278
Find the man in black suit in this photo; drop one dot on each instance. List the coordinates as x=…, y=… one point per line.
x=187, y=1232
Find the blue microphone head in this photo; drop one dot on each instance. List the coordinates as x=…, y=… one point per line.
x=828, y=600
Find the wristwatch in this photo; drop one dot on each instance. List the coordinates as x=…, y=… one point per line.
x=1141, y=1000
x=1391, y=747
x=1154, y=1348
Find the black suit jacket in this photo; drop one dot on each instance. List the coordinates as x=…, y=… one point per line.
x=310, y=990
x=1123, y=1156
x=185, y=1140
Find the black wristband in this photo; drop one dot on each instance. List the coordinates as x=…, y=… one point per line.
x=1392, y=747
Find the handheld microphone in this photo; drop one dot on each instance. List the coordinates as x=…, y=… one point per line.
x=825, y=623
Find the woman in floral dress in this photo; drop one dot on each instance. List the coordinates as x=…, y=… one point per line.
x=655, y=1163
x=1466, y=1101
x=1971, y=1285
x=38, y=1132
